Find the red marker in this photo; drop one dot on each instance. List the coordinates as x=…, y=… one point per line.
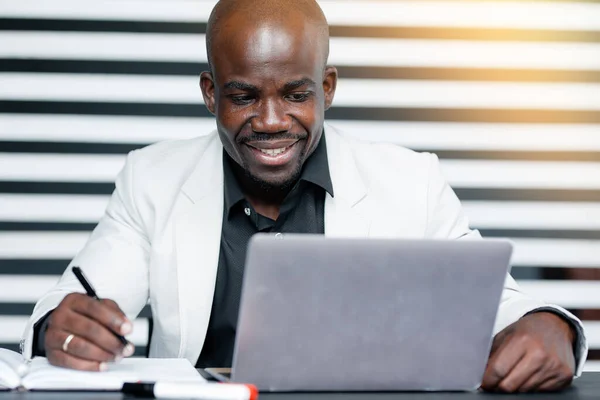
x=192, y=390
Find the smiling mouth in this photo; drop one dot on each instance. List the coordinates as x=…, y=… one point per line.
x=274, y=148
x=274, y=152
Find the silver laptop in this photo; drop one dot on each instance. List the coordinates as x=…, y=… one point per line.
x=324, y=314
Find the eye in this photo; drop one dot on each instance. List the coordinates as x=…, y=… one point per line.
x=298, y=97
x=241, y=99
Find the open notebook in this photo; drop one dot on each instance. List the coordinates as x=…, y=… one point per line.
x=38, y=374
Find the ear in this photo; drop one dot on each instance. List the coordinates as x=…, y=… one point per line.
x=329, y=85
x=207, y=85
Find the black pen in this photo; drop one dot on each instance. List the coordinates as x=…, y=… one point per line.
x=92, y=293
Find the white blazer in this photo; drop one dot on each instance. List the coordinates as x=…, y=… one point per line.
x=159, y=240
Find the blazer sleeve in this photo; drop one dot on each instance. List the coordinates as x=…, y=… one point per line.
x=115, y=258
x=446, y=220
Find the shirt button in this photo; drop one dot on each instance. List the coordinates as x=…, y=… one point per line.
x=247, y=211
x=279, y=235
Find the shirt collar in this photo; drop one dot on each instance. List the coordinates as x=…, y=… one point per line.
x=315, y=171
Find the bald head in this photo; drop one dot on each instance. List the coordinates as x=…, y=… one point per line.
x=252, y=20
x=269, y=87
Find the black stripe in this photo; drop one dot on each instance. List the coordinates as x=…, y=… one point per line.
x=592, y=156
x=593, y=354
x=56, y=187
x=504, y=233
x=16, y=308
x=542, y=233
x=45, y=227
x=526, y=273
x=140, y=351
x=67, y=147
x=471, y=34
x=124, y=148
x=464, y=193
x=464, y=115
x=103, y=67
x=339, y=113
x=57, y=267
x=398, y=32
x=351, y=72
x=98, y=108
x=32, y=267
x=528, y=194
x=83, y=25
x=10, y=346
x=469, y=74
x=25, y=309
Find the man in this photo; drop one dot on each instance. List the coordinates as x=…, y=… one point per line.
x=177, y=226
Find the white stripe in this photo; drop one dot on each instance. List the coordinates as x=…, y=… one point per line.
x=556, y=253
x=103, y=46
x=456, y=53
x=591, y=366
x=528, y=252
x=473, y=136
x=25, y=288
x=592, y=330
x=52, y=208
x=57, y=168
x=41, y=245
x=95, y=87
x=460, y=173
x=104, y=129
x=133, y=10
x=344, y=51
x=482, y=214
x=532, y=15
x=350, y=92
x=522, y=174
x=406, y=93
x=14, y=326
x=532, y=215
x=568, y=294
x=416, y=135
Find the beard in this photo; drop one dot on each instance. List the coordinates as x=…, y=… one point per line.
x=282, y=186
x=271, y=186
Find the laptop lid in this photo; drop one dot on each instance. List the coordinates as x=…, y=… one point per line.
x=332, y=314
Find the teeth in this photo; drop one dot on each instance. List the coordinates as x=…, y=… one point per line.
x=273, y=152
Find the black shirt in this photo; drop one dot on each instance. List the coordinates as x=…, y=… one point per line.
x=302, y=211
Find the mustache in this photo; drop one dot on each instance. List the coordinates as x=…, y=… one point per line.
x=267, y=137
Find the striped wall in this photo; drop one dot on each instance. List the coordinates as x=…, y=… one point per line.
x=506, y=93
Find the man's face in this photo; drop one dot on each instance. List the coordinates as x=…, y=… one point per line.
x=269, y=91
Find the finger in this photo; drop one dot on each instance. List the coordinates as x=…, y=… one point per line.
x=530, y=365
x=554, y=384
x=86, y=328
x=501, y=364
x=113, y=319
x=62, y=359
x=80, y=347
x=534, y=382
x=112, y=305
x=498, y=341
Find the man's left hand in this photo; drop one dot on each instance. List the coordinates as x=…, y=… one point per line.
x=533, y=354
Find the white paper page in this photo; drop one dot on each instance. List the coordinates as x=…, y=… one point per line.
x=43, y=376
x=12, y=365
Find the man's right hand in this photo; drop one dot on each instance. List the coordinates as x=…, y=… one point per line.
x=94, y=325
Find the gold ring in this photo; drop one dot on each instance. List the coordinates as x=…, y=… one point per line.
x=65, y=345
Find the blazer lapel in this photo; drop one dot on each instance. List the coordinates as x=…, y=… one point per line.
x=346, y=214
x=198, y=224
x=198, y=237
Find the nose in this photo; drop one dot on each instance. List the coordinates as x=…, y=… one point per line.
x=271, y=118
